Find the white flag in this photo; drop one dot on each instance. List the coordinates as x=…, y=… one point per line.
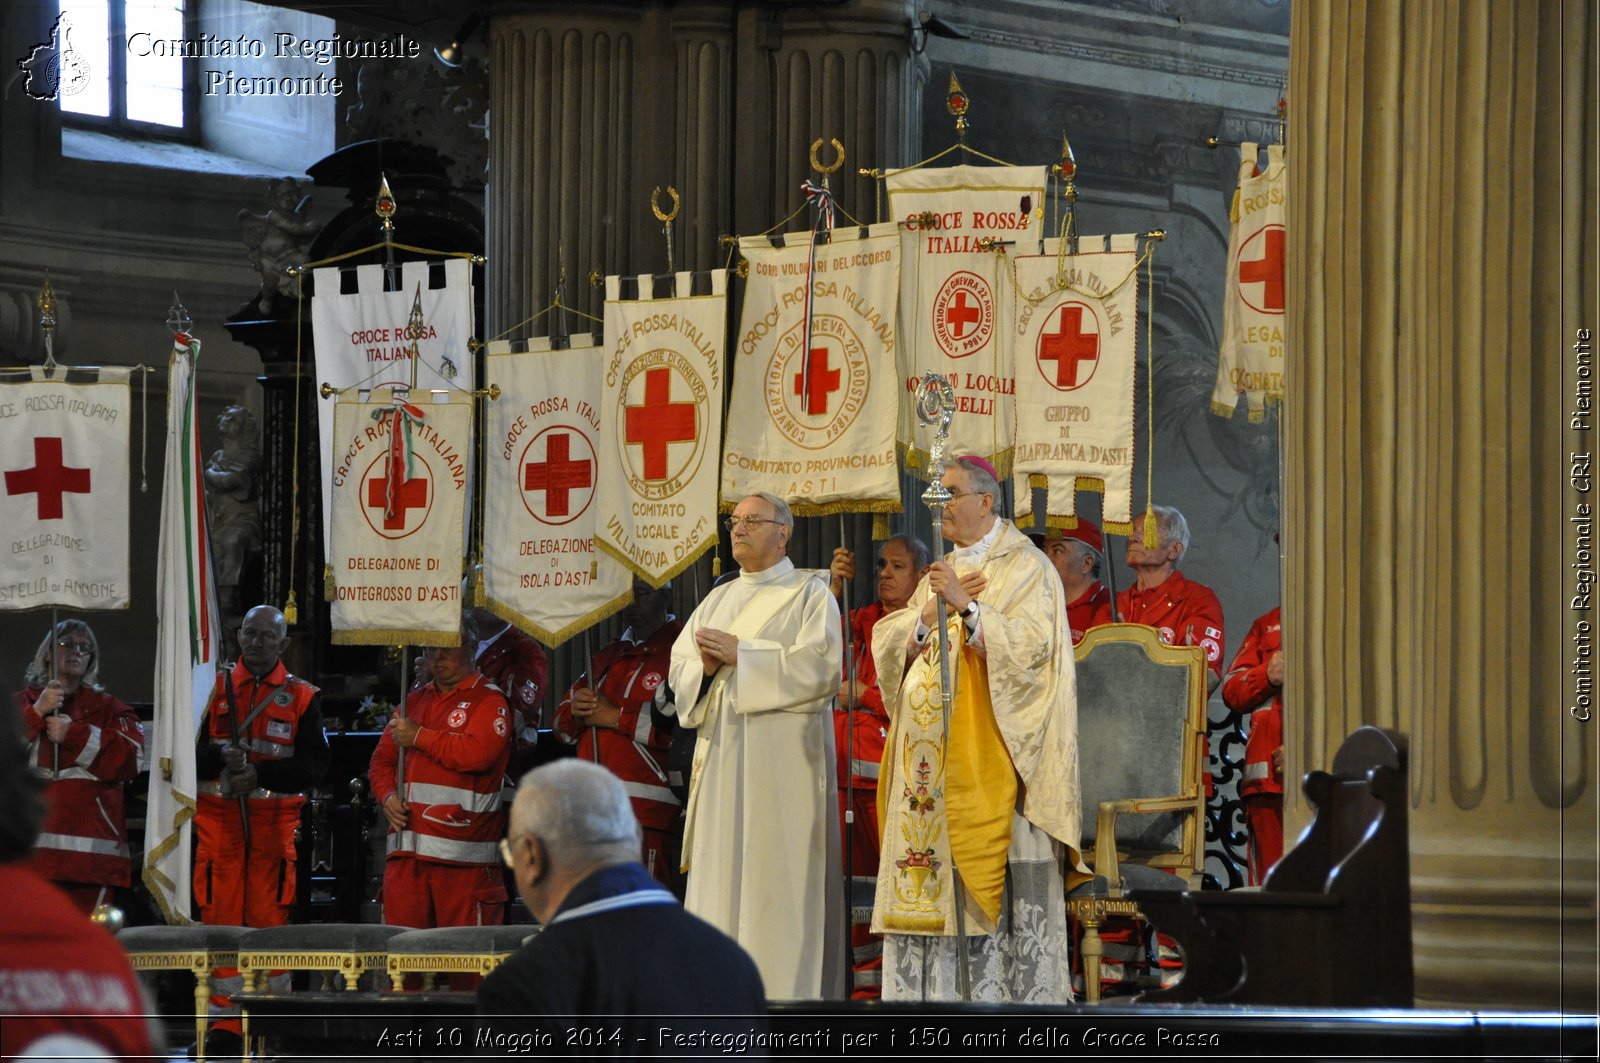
x=661, y=424
x=188, y=646
x=1250, y=357
x=1076, y=334
x=363, y=337
x=399, y=517
x=955, y=294
x=541, y=570
x=64, y=491
x=815, y=387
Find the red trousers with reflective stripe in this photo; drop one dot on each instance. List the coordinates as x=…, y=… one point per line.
x=1264, y=814
x=236, y=888
x=426, y=894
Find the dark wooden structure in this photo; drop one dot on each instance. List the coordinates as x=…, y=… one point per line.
x=1331, y=926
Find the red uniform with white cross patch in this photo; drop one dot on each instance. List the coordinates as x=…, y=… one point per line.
x=636, y=750
x=444, y=868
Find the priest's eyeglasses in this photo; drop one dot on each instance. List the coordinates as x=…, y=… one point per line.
x=748, y=523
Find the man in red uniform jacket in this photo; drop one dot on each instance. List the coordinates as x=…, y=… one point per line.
x=66, y=989
x=444, y=814
x=86, y=743
x=612, y=722
x=1076, y=554
x=902, y=561
x=265, y=744
x=1184, y=612
x=1255, y=686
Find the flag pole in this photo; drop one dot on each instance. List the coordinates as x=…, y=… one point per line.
x=935, y=405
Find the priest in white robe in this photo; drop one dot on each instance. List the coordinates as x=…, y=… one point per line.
x=998, y=801
x=756, y=670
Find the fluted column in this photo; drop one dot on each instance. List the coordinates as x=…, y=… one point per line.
x=1441, y=263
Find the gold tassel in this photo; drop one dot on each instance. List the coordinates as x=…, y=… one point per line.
x=880, y=527
x=479, y=595
x=1149, y=526
x=291, y=611
x=594, y=568
x=716, y=564
x=327, y=582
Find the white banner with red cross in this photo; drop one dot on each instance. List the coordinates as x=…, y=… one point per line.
x=541, y=570
x=661, y=422
x=955, y=294
x=364, y=336
x=815, y=389
x=64, y=452
x=1076, y=331
x=1250, y=359
x=399, y=473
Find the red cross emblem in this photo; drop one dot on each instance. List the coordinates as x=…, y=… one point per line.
x=50, y=478
x=658, y=422
x=1265, y=270
x=961, y=314
x=559, y=474
x=824, y=382
x=1068, y=345
x=413, y=498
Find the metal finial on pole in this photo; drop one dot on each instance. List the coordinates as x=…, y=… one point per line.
x=46, y=304
x=665, y=217
x=957, y=102
x=178, y=319
x=935, y=406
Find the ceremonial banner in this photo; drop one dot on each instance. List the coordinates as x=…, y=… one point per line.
x=955, y=294
x=363, y=337
x=64, y=454
x=399, y=474
x=1250, y=361
x=541, y=571
x=661, y=424
x=188, y=645
x=1076, y=333
x=812, y=418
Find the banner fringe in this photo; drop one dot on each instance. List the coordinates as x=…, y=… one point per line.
x=672, y=573
x=555, y=637
x=395, y=637
x=155, y=880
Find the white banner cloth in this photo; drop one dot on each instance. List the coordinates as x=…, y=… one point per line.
x=955, y=295
x=812, y=418
x=541, y=570
x=362, y=338
x=188, y=648
x=399, y=518
x=661, y=424
x=1250, y=357
x=64, y=453
x=1076, y=331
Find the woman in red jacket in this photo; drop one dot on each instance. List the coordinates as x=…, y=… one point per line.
x=86, y=744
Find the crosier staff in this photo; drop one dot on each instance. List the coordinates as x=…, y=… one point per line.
x=936, y=404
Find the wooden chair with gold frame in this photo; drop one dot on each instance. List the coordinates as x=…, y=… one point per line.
x=1141, y=752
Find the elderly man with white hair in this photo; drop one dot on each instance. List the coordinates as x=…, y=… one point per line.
x=614, y=942
x=756, y=670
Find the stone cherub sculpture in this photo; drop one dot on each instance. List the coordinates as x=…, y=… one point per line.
x=277, y=239
x=233, y=504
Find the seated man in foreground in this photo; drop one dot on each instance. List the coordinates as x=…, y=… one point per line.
x=615, y=943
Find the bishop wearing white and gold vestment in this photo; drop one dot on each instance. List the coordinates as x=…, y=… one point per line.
x=999, y=800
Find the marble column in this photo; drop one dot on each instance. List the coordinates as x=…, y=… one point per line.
x=1442, y=167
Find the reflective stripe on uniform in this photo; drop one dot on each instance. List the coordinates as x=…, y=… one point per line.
x=1257, y=771
x=866, y=769
x=428, y=793
x=409, y=841
x=78, y=844
x=91, y=748
x=213, y=787
x=647, y=792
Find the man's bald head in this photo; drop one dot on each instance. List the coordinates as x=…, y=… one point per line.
x=263, y=636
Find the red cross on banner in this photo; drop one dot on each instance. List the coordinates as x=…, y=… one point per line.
x=50, y=478
x=960, y=314
x=558, y=475
x=1069, y=345
x=1267, y=270
x=413, y=494
x=824, y=382
x=659, y=422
